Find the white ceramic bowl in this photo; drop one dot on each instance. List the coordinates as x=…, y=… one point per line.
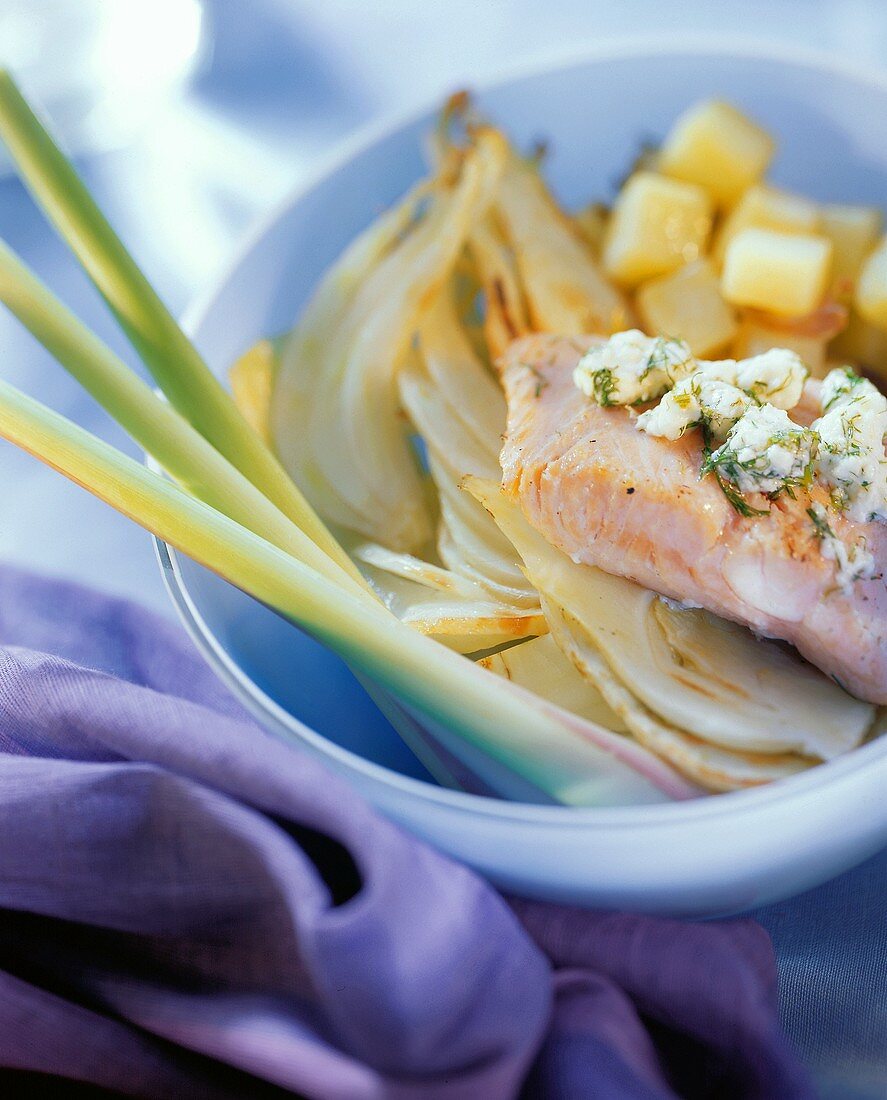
x=716, y=855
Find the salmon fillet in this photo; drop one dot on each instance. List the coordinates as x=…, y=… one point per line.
x=612, y=496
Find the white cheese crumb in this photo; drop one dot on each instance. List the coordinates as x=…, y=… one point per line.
x=719, y=392
x=851, y=452
x=777, y=376
x=853, y=563
x=765, y=452
x=744, y=403
x=842, y=386
x=632, y=368
x=699, y=399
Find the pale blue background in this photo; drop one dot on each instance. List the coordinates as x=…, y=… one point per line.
x=277, y=84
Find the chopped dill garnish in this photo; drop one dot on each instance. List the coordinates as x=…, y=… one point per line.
x=821, y=527
x=839, y=500
x=757, y=473
x=712, y=465
x=656, y=358
x=736, y=498
x=852, y=381
x=659, y=359
x=604, y=384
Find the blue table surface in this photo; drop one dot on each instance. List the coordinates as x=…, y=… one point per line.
x=275, y=92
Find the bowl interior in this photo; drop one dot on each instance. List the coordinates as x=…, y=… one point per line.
x=832, y=129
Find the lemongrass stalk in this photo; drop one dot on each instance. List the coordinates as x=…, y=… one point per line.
x=177, y=447
x=423, y=674
x=169, y=355
x=173, y=443
x=165, y=435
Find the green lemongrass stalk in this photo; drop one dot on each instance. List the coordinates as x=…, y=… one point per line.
x=165, y=435
x=166, y=351
x=500, y=719
x=180, y=449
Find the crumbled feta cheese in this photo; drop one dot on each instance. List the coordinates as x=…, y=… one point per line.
x=744, y=403
x=843, y=385
x=632, y=368
x=851, y=451
x=718, y=393
x=853, y=563
x=699, y=399
x=765, y=452
x=777, y=376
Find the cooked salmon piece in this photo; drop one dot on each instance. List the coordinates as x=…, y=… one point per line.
x=632, y=504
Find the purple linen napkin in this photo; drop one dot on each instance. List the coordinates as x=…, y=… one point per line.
x=191, y=908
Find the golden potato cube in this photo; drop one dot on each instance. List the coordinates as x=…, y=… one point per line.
x=782, y=273
x=854, y=232
x=871, y=288
x=657, y=225
x=862, y=344
x=719, y=148
x=687, y=304
x=765, y=207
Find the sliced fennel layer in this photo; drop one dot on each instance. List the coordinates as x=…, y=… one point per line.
x=336, y=419
x=716, y=768
x=673, y=662
x=540, y=666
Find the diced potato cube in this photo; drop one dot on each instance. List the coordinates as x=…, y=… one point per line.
x=854, y=232
x=807, y=336
x=782, y=273
x=765, y=207
x=871, y=289
x=718, y=147
x=687, y=304
x=591, y=221
x=862, y=344
x=657, y=225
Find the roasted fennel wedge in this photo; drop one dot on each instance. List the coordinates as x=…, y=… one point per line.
x=336, y=421
x=457, y=408
x=465, y=614
x=564, y=288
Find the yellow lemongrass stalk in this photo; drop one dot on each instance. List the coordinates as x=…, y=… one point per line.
x=574, y=761
x=167, y=353
x=154, y=425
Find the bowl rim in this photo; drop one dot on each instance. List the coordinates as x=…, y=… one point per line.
x=842, y=771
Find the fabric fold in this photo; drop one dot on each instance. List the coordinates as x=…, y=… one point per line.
x=191, y=907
